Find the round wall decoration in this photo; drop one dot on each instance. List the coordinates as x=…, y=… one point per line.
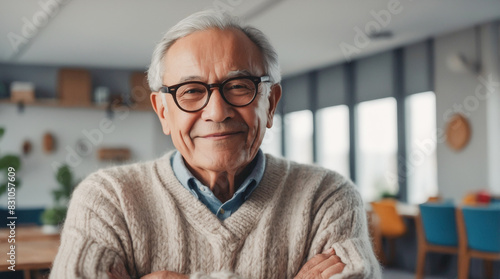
x=458, y=132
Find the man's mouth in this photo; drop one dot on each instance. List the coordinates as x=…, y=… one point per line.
x=221, y=135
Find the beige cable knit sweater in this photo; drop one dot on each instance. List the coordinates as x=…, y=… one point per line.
x=138, y=219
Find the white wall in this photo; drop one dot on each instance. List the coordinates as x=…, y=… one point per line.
x=491, y=50
x=138, y=130
x=470, y=169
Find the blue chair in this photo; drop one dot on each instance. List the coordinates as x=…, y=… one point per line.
x=495, y=201
x=436, y=232
x=479, y=232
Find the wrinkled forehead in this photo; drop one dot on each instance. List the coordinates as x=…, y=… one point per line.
x=212, y=54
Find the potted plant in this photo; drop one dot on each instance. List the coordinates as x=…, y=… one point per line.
x=54, y=216
x=6, y=162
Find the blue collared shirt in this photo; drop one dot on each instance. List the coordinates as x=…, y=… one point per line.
x=207, y=197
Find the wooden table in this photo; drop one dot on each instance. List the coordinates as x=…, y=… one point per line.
x=404, y=209
x=27, y=233
x=34, y=249
x=407, y=210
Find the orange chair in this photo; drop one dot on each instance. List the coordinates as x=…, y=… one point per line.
x=435, y=199
x=469, y=199
x=391, y=225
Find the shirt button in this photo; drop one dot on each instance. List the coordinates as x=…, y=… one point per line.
x=222, y=211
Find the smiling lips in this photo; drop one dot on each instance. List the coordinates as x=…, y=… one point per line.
x=222, y=135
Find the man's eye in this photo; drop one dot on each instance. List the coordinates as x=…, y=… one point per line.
x=193, y=91
x=238, y=86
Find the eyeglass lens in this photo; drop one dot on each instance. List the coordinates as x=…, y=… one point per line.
x=237, y=92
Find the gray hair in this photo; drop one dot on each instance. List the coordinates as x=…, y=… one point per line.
x=206, y=20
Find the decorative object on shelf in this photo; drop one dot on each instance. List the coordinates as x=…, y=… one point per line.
x=52, y=217
x=115, y=102
x=140, y=91
x=458, y=132
x=75, y=87
x=114, y=154
x=101, y=95
x=81, y=147
x=22, y=92
x=27, y=147
x=49, y=144
x=8, y=163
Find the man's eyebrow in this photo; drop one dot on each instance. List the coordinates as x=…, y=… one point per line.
x=231, y=74
x=191, y=78
x=238, y=73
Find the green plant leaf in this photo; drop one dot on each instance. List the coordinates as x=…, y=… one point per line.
x=58, y=194
x=54, y=215
x=10, y=161
x=64, y=175
x=2, y=131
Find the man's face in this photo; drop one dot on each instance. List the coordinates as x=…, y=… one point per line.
x=220, y=137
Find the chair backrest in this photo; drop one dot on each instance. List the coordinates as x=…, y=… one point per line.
x=482, y=226
x=391, y=223
x=495, y=201
x=439, y=223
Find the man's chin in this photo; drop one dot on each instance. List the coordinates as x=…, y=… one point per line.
x=224, y=159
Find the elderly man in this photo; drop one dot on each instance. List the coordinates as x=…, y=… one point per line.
x=217, y=207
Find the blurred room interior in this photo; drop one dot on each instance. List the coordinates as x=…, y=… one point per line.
x=403, y=97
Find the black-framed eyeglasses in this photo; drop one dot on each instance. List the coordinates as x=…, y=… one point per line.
x=193, y=96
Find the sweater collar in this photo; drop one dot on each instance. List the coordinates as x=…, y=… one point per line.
x=242, y=221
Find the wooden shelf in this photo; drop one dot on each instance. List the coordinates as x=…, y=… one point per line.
x=55, y=103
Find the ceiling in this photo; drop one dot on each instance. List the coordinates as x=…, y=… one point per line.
x=306, y=34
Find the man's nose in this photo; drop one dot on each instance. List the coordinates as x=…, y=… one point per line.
x=217, y=109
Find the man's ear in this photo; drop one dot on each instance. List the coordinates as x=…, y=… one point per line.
x=274, y=97
x=160, y=107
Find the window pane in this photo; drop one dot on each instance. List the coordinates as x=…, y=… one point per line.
x=421, y=156
x=298, y=136
x=377, y=148
x=272, y=139
x=333, y=138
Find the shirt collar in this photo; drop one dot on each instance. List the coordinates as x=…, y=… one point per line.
x=185, y=176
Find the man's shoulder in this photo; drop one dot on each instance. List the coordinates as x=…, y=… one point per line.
x=297, y=169
x=314, y=185
x=135, y=174
x=131, y=170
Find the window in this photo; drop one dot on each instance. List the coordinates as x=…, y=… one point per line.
x=421, y=156
x=298, y=135
x=272, y=139
x=333, y=138
x=376, y=164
